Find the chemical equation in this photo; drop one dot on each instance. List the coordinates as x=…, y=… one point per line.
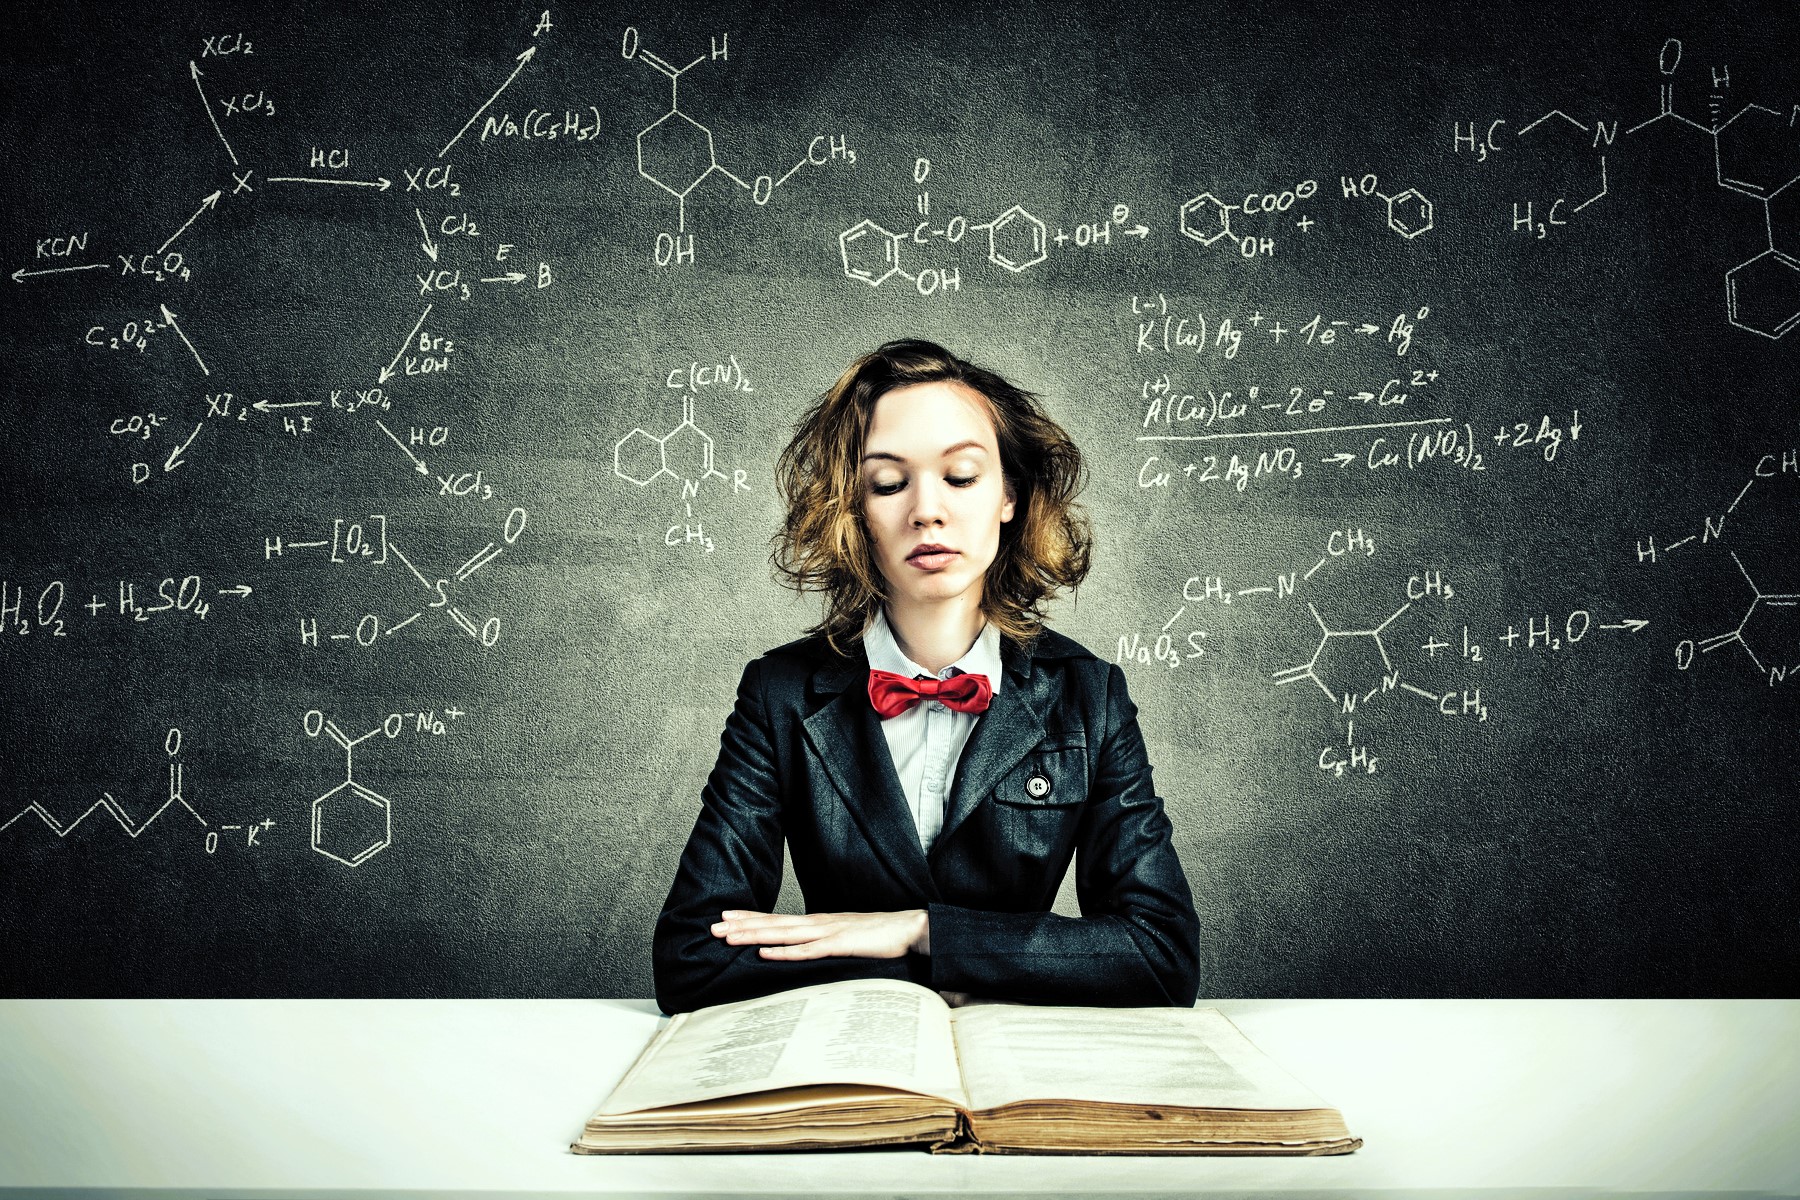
x=1163, y=329
x=1403, y=657
x=463, y=261
x=1015, y=240
x=1207, y=218
x=1439, y=445
x=46, y=609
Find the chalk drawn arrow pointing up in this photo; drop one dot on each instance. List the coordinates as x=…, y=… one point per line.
x=209, y=202
x=20, y=275
x=522, y=60
x=204, y=370
x=196, y=72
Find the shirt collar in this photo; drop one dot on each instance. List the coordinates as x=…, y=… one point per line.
x=883, y=649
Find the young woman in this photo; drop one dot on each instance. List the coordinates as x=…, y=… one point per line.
x=931, y=754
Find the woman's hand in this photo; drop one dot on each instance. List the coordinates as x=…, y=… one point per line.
x=827, y=935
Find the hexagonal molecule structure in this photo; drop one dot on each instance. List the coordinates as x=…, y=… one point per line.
x=870, y=253
x=1206, y=219
x=687, y=450
x=1016, y=240
x=1758, y=153
x=638, y=457
x=1409, y=214
x=351, y=824
x=1762, y=294
x=675, y=148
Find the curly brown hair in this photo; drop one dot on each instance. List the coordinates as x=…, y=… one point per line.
x=824, y=544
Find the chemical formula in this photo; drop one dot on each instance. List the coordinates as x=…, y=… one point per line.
x=1406, y=657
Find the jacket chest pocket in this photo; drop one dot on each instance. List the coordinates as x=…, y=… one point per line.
x=1037, y=807
x=1047, y=778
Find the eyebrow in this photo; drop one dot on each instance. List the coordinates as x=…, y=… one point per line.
x=882, y=454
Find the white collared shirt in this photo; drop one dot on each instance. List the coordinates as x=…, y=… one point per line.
x=927, y=740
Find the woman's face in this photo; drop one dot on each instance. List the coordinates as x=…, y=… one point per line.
x=933, y=495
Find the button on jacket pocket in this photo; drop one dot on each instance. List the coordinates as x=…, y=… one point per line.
x=1046, y=778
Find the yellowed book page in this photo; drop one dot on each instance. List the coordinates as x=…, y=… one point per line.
x=777, y=1103
x=879, y=1032
x=1179, y=1057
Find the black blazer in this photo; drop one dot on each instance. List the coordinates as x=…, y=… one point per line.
x=803, y=758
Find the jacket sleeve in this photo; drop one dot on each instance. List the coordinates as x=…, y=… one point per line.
x=733, y=859
x=1137, y=942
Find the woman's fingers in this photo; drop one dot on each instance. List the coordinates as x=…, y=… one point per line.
x=803, y=950
x=771, y=929
x=818, y=935
x=778, y=935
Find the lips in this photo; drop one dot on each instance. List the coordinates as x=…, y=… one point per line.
x=930, y=556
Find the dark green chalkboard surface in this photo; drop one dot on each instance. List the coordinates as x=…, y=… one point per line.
x=391, y=395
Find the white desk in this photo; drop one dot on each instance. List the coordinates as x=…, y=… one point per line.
x=223, y=1098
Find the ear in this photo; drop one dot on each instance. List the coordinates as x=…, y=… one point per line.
x=1006, y=510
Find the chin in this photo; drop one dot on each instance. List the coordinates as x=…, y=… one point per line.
x=938, y=589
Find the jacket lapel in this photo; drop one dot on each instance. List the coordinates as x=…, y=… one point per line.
x=846, y=735
x=1010, y=727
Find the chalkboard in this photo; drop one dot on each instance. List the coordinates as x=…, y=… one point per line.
x=392, y=394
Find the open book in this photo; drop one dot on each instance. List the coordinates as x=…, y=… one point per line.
x=880, y=1061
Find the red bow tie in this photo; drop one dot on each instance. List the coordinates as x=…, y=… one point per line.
x=893, y=694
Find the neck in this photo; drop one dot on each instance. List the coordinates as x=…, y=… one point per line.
x=936, y=635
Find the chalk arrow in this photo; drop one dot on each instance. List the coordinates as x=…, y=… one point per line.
x=20, y=275
x=1365, y=327
x=1140, y=232
x=380, y=183
x=1635, y=624
x=428, y=246
x=509, y=277
x=174, y=459
x=240, y=591
x=270, y=406
x=194, y=69
x=522, y=60
x=388, y=371
x=170, y=318
x=209, y=202
x=1341, y=459
x=418, y=463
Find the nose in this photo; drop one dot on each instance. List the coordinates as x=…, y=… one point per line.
x=928, y=502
